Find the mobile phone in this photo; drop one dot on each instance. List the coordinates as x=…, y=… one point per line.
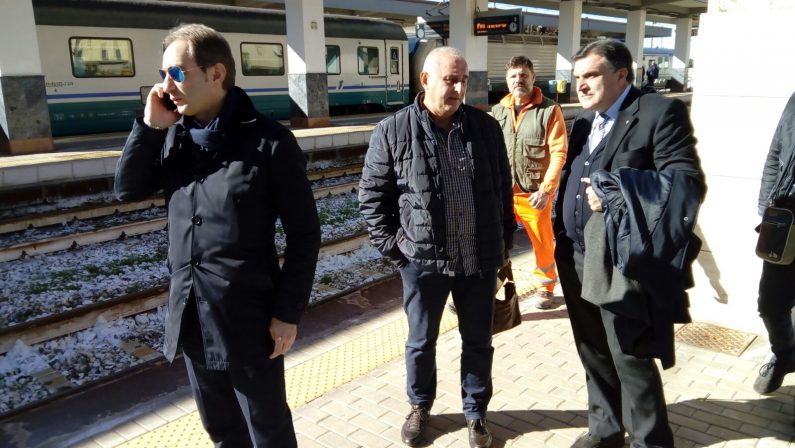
x=166, y=101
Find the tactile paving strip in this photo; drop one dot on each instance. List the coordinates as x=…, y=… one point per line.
x=715, y=338
x=305, y=381
x=321, y=374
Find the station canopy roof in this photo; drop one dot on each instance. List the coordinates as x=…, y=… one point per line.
x=407, y=11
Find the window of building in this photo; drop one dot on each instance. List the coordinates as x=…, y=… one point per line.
x=262, y=59
x=91, y=57
x=368, y=60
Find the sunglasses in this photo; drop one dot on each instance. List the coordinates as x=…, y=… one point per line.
x=176, y=73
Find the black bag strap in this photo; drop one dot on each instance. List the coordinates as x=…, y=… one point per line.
x=505, y=273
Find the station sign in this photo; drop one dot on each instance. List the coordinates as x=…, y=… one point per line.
x=439, y=25
x=503, y=22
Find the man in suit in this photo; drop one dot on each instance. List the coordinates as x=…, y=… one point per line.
x=620, y=127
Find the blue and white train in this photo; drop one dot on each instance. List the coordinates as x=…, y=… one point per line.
x=100, y=58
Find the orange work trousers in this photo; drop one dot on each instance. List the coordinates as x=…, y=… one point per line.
x=538, y=224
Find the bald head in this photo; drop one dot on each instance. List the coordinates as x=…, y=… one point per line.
x=441, y=55
x=444, y=79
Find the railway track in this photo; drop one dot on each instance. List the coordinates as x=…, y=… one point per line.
x=67, y=241
x=58, y=386
x=38, y=336
x=97, y=211
x=72, y=321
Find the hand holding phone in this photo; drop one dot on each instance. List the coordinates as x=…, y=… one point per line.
x=160, y=111
x=166, y=101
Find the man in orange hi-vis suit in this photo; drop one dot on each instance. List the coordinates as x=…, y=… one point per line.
x=535, y=136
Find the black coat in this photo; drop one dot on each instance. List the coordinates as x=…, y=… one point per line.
x=400, y=192
x=221, y=227
x=652, y=132
x=778, y=175
x=649, y=224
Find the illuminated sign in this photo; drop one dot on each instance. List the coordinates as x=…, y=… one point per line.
x=440, y=25
x=488, y=25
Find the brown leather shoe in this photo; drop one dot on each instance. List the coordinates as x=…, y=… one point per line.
x=411, y=433
x=590, y=441
x=479, y=435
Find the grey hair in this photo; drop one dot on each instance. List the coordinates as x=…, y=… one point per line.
x=432, y=60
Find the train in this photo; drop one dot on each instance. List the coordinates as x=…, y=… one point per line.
x=100, y=58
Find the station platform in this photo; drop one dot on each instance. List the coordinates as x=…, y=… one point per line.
x=76, y=164
x=79, y=158
x=346, y=386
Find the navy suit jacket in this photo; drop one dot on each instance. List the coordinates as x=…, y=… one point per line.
x=652, y=132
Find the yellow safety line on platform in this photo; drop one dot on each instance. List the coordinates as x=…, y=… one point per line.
x=305, y=382
x=321, y=374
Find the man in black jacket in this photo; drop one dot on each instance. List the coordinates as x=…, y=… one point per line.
x=617, y=342
x=436, y=195
x=776, y=286
x=227, y=174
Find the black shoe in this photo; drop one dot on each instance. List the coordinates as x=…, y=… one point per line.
x=772, y=374
x=591, y=441
x=479, y=435
x=415, y=423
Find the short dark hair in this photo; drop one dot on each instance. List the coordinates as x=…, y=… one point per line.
x=519, y=61
x=615, y=53
x=206, y=46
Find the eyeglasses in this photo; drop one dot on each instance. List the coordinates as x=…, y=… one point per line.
x=176, y=73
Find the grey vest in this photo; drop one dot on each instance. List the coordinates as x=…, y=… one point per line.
x=528, y=152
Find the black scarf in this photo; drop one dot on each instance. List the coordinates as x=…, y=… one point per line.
x=206, y=141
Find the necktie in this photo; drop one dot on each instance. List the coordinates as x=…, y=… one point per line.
x=600, y=130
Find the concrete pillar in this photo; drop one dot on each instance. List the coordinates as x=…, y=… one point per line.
x=568, y=44
x=306, y=63
x=24, y=118
x=636, y=31
x=462, y=36
x=681, y=51
x=735, y=113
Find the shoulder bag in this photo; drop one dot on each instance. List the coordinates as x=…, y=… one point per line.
x=506, y=310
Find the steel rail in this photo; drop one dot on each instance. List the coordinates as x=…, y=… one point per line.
x=60, y=324
x=56, y=243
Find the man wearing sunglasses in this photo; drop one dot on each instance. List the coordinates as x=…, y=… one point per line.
x=227, y=174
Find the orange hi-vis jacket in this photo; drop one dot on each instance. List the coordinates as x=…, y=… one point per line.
x=536, y=141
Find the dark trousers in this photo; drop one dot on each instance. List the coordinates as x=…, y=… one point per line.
x=624, y=391
x=244, y=406
x=776, y=299
x=424, y=297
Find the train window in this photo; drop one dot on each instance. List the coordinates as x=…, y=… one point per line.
x=91, y=57
x=262, y=59
x=394, y=60
x=332, y=59
x=368, y=60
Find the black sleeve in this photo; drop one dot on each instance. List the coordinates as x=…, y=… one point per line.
x=295, y=205
x=770, y=172
x=138, y=171
x=378, y=196
x=675, y=144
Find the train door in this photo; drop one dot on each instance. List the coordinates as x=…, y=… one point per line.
x=372, y=71
x=395, y=74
